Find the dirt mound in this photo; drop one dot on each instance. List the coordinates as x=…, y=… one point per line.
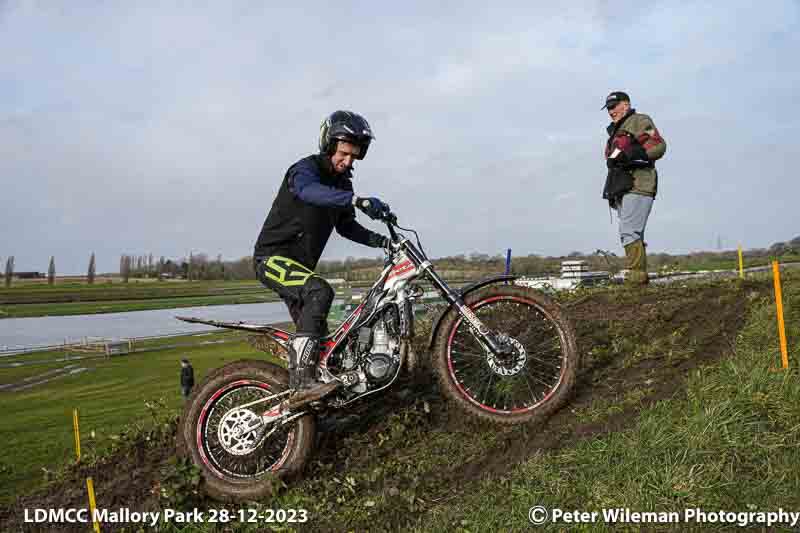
x=385, y=461
x=123, y=480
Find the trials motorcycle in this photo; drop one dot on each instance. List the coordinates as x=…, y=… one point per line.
x=501, y=352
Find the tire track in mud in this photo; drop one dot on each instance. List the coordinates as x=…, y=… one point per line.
x=707, y=320
x=40, y=379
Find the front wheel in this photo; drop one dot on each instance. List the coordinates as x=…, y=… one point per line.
x=238, y=464
x=525, y=385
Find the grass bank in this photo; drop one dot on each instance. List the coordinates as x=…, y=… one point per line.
x=730, y=441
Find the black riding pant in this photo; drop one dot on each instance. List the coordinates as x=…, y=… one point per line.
x=307, y=295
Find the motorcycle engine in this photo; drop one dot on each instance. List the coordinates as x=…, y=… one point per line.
x=379, y=367
x=380, y=364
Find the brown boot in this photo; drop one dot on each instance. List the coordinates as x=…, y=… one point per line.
x=636, y=264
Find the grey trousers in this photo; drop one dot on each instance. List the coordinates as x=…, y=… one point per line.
x=633, y=211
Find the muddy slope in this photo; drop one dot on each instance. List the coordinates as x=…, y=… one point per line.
x=407, y=450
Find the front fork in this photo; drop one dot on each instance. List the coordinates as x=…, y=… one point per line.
x=482, y=333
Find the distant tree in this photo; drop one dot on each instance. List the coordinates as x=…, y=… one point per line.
x=9, y=270
x=220, y=268
x=51, y=271
x=160, y=269
x=190, y=268
x=125, y=268
x=778, y=248
x=202, y=266
x=348, y=268
x=242, y=269
x=91, y=272
x=150, y=264
x=173, y=268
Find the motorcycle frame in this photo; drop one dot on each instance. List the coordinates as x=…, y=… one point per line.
x=422, y=267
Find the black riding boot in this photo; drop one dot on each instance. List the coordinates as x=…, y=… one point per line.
x=302, y=378
x=303, y=354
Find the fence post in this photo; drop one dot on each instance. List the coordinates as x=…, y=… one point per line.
x=776, y=274
x=92, y=504
x=741, y=264
x=77, y=433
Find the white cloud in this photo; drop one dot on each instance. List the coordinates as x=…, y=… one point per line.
x=156, y=128
x=565, y=196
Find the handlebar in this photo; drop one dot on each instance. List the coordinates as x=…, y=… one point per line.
x=390, y=219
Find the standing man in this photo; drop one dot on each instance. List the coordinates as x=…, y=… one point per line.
x=187, y=377
x=633, y=146
x=315, y=197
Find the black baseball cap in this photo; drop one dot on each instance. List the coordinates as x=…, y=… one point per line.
x=615, y=98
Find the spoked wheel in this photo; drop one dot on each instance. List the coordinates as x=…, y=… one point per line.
x=528, y=382
x=238, y=459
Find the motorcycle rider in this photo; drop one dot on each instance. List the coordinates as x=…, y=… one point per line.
x=315, y=197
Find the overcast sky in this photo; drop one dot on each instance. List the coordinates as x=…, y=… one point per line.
x=166, y=127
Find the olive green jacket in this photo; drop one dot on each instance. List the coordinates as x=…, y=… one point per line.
x=640, y=128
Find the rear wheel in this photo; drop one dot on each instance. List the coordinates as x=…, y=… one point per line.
x=525, y=385
x=239, y=464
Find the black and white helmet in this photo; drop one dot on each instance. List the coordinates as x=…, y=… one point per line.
x=344, y=126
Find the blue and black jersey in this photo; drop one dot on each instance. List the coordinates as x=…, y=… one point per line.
x=311, y=202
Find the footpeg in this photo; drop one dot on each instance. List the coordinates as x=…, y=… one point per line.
x=303, y=397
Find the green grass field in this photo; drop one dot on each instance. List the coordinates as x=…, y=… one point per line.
x=29, y=299
x=110, y=306
x=37, y=299
x=110, y=395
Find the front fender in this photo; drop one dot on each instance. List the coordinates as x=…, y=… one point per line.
x=462, y=292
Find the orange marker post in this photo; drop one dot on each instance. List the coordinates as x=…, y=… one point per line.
x=776, y=274
x=92, y=505
x=77, y=433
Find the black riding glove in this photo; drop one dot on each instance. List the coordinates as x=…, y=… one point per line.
x=632, y=157
x=614, y=162
x=372, y=207
x=379, y=241
x=636, y=154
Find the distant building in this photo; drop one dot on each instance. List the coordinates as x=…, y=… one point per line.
x=574, y=274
